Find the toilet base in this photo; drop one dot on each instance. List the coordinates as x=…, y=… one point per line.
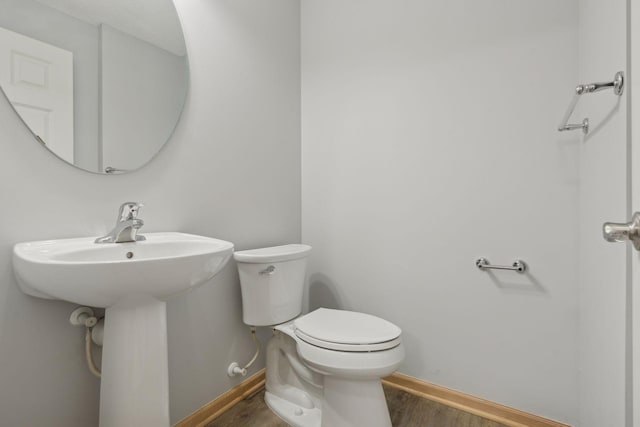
x=348, y=402
x=303, y=379
x=293, y=414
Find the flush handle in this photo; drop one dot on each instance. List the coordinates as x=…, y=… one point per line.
x=621, y=232
x=268, y=271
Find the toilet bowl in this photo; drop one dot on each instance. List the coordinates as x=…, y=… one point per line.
x=324, y=367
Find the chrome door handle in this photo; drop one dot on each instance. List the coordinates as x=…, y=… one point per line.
x=620, y=232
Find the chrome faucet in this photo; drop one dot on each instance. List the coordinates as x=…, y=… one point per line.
x=127, y=225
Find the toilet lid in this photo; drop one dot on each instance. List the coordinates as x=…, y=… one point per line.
x=347, y=331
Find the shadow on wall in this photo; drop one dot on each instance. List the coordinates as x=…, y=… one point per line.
x=323, y=293
x=523, y=283
x=594, y=130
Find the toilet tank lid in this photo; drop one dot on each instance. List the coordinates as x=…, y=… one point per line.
x=273, y=254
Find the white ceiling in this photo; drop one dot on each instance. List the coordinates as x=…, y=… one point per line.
x=153, y=21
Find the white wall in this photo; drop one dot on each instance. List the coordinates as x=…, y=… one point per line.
x=143, y=91
x=603, y=197
x=429, y=139
x=35, y=20
x=426, y=145
x=236, y=148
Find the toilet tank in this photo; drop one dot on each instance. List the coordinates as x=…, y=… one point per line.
x=272, y=283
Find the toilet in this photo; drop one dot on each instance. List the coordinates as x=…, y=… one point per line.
x=324, y=367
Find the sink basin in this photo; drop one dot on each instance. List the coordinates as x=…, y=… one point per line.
x=130, y=280
x=98, y=275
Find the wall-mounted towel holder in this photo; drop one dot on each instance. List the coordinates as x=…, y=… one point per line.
x=518, y=265
x=618, y=88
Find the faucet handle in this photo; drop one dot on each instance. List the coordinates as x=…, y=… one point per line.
x=129, y=211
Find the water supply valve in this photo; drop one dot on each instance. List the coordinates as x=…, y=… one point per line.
x=83, y=316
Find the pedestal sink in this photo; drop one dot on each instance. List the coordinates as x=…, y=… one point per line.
x=130, y=280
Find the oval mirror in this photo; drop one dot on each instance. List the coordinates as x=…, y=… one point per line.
x=101, y=84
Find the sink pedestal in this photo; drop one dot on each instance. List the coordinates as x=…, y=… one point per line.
x=134, y=390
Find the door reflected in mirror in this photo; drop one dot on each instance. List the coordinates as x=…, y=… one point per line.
x=100, y=84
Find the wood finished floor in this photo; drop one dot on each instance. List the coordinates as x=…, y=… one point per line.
x=406, y=410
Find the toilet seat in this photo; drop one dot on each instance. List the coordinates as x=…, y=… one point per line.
x=347, y=331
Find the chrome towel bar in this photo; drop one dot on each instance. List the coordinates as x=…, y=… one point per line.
x=518, y=265
x=618, y=88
